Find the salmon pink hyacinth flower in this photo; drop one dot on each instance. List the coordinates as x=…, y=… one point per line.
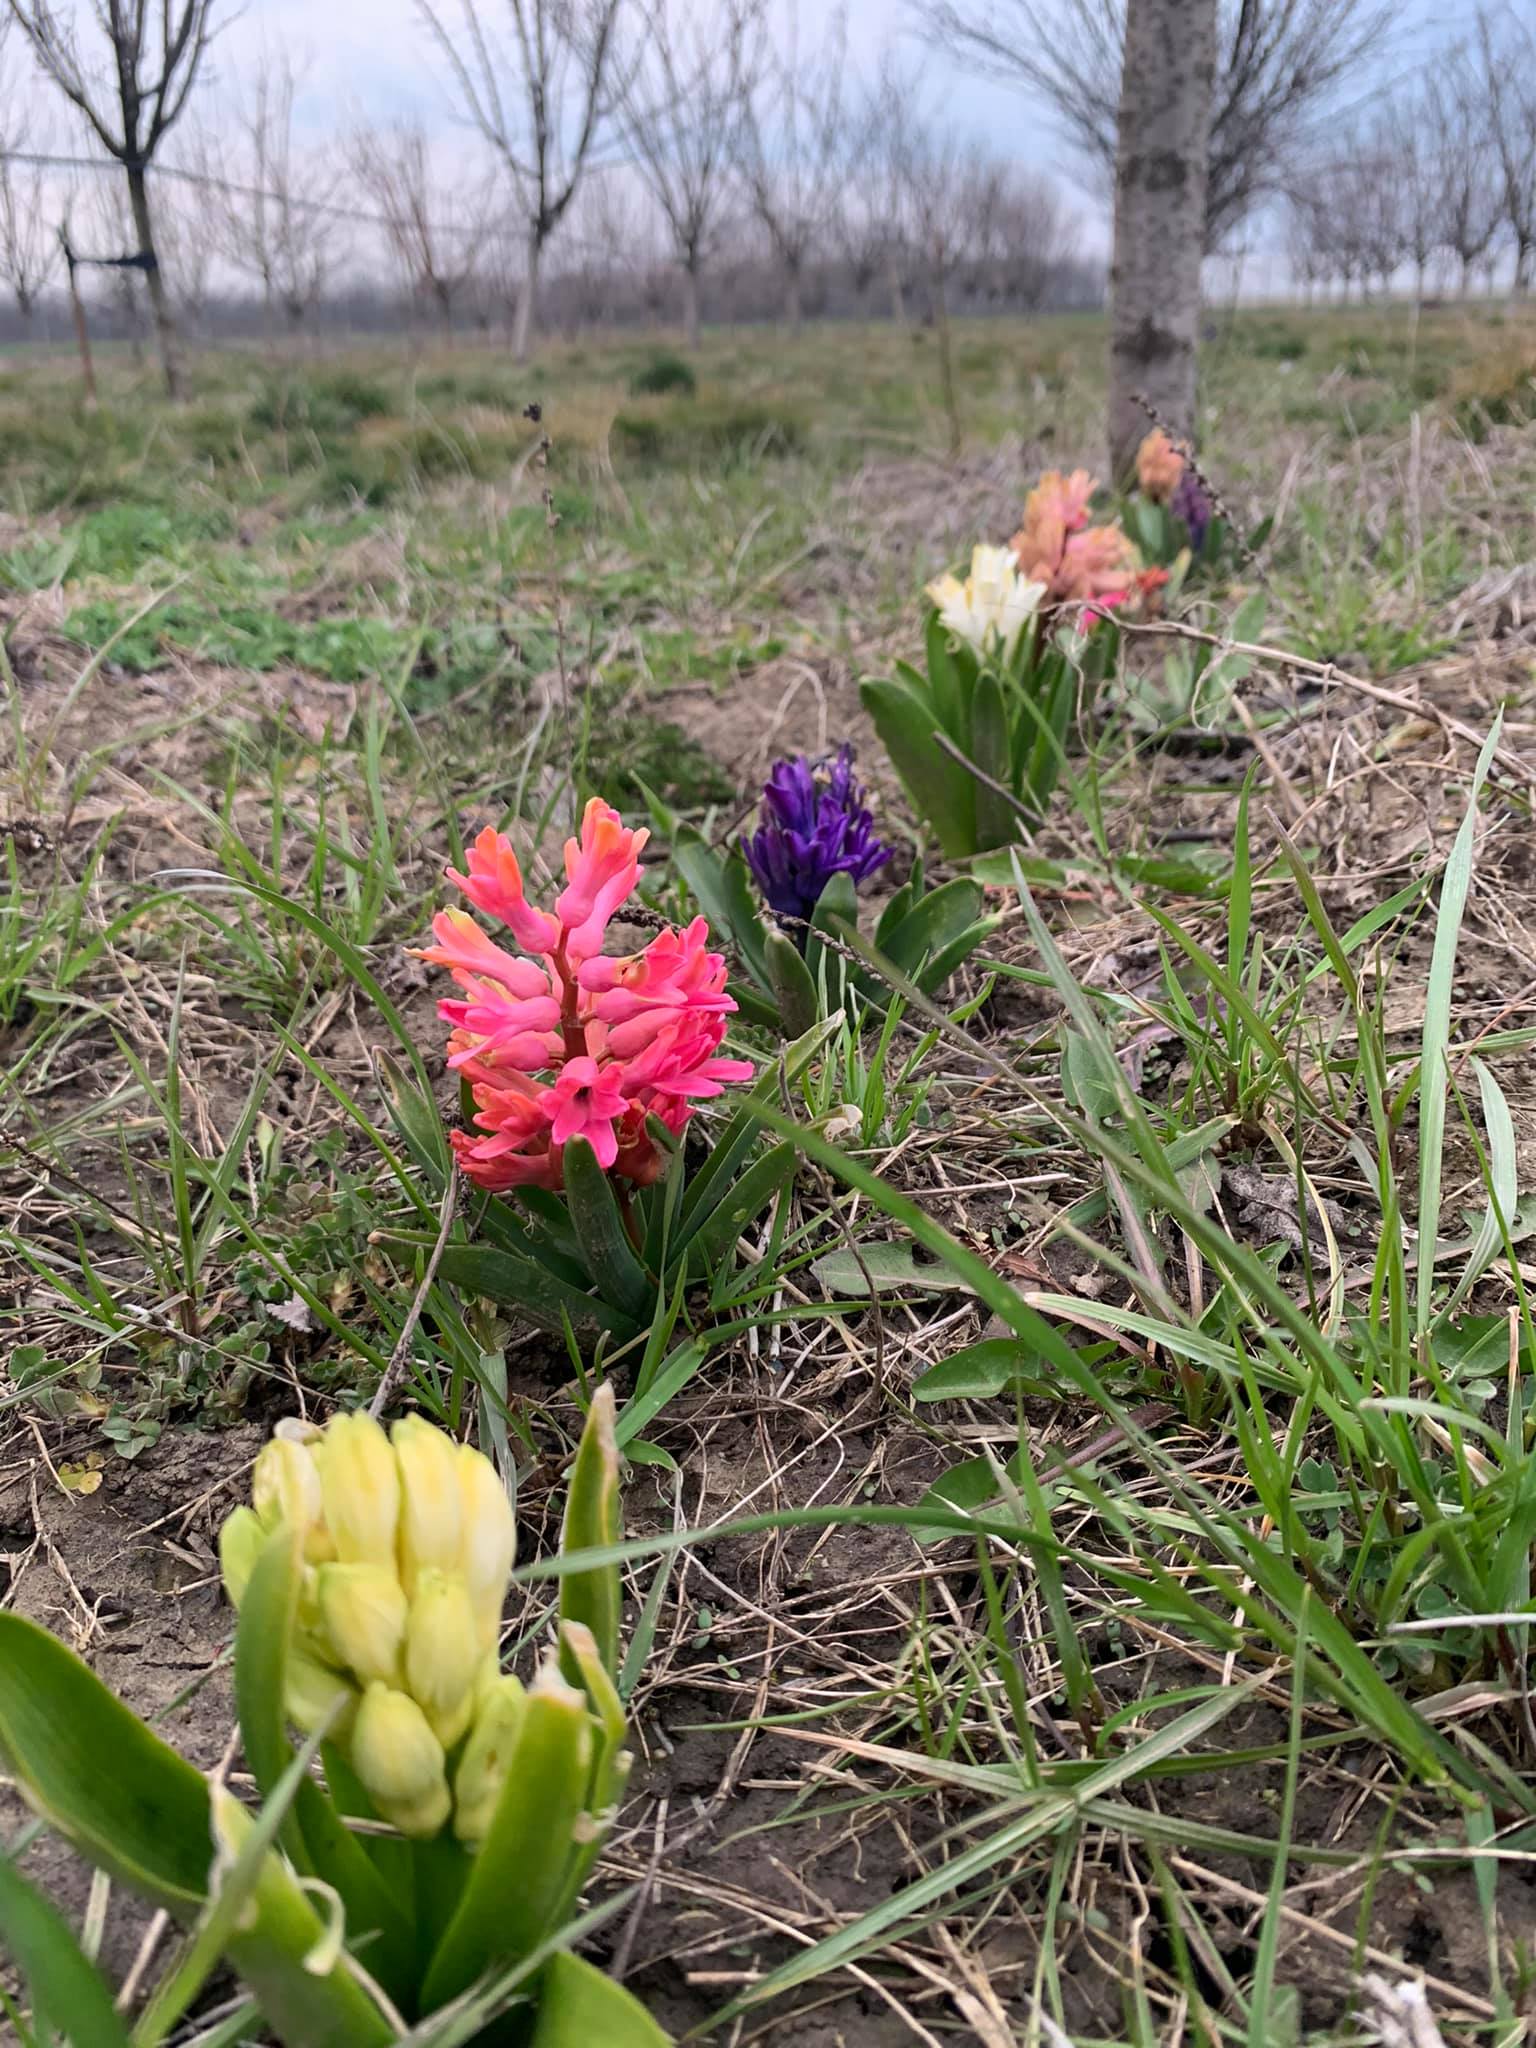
x=1077, y=563
x=565, y=1041
x=1159, y=466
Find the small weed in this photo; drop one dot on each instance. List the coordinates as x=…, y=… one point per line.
x=664, y=373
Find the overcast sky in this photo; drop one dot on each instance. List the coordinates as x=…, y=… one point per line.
x=377, y=56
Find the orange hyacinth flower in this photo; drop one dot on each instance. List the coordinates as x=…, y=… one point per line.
x=1159, y=466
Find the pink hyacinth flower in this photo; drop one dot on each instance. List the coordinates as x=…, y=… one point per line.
x=588, y=1100
x=603, y=866
x=572, y=1043
x=494, y=884
x=466, y=951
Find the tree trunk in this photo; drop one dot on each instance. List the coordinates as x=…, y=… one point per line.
x=898, y=296
x=1160, y=177
x=947, y=363
x=523, y=325
x=691, y=301
x=792, y=307
x=159, y=297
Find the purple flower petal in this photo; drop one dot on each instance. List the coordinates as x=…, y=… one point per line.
x=813, y=824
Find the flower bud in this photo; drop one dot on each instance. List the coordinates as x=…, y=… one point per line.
x=489, y=1543
x=240, y=1544
x=363, y=1613
x=311, y=1692
x=400, y=1762
x=430, y=1511
x=360, y=1485
x=285, y=1485
x=442, y=1657
x=483, y=1767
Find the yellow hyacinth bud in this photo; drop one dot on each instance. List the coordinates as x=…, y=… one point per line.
x=285, y=1486
x=442, y=1657
x=400, y=1762
x=363, y=1614
x=311, y=1692
x=483, y=1767
x=431, y=1514
x=489, y=1544
x=240, y=1544
x=360, y=1485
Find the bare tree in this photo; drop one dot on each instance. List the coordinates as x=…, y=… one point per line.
x=870, y=225
x=191, y=237
x=541, y=108
x=613, y=245
x=945, y=182
x=1021, y=235
x=131, y=82
x=434, y=227
x=792, y=146
x=1409, y=135
x=1280, y=64
x=1471, y=198
x=1507, y=52
x=271, y=194
x=1160, y=219
x=679, y=112
x=29, y=243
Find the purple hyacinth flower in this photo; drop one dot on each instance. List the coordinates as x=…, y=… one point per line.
x=1191, y=502
x=813, y=824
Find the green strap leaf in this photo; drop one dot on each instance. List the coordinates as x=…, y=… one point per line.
x=64, y=1985
x=740, y=1204
x=519, y=1877
x=414, y=1115
x=316, y=1838
x=610, y=1256
x=125, y=1799
x=278, y=1946
x=722, y=887
x=794, y=990
x=580, y=2007
x=942, y=794
x=538, y=1296
x=997, y=822
x=592, y=1521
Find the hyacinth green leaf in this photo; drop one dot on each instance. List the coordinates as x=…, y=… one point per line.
x=743, y=1202
x=953, y=956
x=592, y=1522
x=414, y=1116
x=308, y=1997
x=794, y=992
x=525, y=1233
x=951, y=681
x=580, y=2007
x=606, y=1245
x=997, y=822
x=539, y=1296
x=739, y=1135
x=942, y=793
x=933, y=925
x=722, y=887
x=519, y=1878
x=65, y=1988
x=582, y=1667
x=896, y=910
x=314, y=1835
x=125, y=1799
x=838, y=904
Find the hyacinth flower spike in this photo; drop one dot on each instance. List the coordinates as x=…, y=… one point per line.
x=813, y=824
x=572, y=1043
